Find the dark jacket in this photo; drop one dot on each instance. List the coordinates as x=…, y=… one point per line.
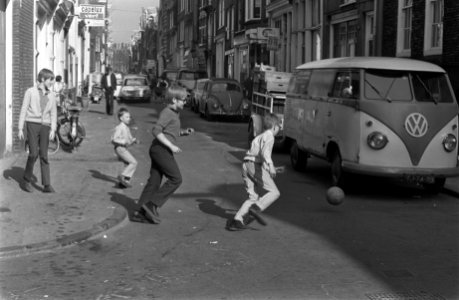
x=112, y=81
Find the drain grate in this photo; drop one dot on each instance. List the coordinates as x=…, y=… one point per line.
x=404, y=296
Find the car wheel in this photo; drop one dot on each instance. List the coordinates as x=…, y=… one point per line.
x=207, y=114
x=298, y=158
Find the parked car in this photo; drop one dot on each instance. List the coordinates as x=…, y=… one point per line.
x=188, y=78
x=223, y=97
x=119, y=83
x=196, y=94
x=135, y=87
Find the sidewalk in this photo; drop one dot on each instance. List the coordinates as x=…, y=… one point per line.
x=81, y=207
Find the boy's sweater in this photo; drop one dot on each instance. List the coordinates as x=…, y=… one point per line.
x=261, y=148
x=31, y=110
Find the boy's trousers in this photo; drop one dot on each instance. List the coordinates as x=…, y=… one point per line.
x=127, y=158
x=256, y=176
x=162, y=164
x=38, y=140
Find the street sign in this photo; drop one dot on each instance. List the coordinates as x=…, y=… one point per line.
x=92, y=12
x=273, y=43
x=94, y=23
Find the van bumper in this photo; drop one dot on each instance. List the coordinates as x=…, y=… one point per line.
x=399, y=172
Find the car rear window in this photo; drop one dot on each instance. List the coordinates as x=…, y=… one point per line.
x=225, y=87
x=135, y=81
x=192, y=75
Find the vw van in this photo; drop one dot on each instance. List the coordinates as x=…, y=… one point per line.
x=381, y=116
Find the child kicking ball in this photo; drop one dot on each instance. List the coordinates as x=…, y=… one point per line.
x=258, y=171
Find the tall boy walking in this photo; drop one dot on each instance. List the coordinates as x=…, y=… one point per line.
x=163, y=163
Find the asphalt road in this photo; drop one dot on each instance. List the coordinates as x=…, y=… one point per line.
x=386, y=241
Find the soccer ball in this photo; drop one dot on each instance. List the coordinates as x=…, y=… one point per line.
x=335, y=195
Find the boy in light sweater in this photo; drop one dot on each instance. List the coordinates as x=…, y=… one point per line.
x=39, y=117
x=258, y=171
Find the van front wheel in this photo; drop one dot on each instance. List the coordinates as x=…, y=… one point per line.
x=337, y=178
x=298, y=158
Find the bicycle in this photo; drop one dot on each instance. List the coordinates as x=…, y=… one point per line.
x=70, y=132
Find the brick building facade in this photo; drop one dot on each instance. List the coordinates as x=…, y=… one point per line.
x=23, y=59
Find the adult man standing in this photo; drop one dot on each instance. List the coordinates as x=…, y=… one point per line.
x=109, y=85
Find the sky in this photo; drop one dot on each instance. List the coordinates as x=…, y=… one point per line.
x=125, y=16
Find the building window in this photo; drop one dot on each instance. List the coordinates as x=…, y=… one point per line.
x=433, y=37
x=182, y=31
x=345, y=38
x=171, y=20
x=315, y=8
x=370, y=34
x=252, y=9
x=221, y=13
x=404, y=26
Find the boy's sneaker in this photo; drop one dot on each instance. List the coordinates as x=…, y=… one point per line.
x=234, y=225
x=48, y=189
x=27, y=186
x=151, y=213
x=255, y=211
x=123, y=182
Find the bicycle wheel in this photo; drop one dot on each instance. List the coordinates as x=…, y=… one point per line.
x=53, y=145
x=81, y=133
x=64, y=131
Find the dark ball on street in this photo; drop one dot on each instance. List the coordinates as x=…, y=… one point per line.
x=335, y=195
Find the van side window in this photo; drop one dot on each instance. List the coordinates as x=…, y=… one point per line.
x=431, y=87
x=299, y=83
x=387, y=85
x=346, y=85
x=321, y=82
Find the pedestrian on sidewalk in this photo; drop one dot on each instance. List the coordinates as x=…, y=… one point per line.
x=59, y=89
x=258, y=171
x=163, y=163
x=109, y=85
x=39, y=117
x=122, y=139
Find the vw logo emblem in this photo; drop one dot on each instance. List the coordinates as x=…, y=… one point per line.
x=416, y=125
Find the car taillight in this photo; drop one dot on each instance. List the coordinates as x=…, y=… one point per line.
x=449, y=143
x=376, y=140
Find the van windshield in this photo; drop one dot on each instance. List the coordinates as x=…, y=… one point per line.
x=431, y=87
x=387, y=85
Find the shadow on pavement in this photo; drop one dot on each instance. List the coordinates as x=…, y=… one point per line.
x=98, y=175
x=209, y=207
x=16, y=173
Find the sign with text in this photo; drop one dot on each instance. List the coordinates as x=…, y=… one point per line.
x=92, y=12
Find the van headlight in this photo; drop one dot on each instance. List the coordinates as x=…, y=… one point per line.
x=449, y=143
x=376, y=140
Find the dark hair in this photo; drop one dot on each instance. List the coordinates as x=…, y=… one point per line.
x=122, y=111
x=270, y=120
x=175, y=92
x=45, y=74
x=58, y=78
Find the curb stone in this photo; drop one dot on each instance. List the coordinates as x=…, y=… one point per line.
x=118, y=217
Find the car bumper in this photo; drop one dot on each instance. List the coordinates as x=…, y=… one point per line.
x=403, y=173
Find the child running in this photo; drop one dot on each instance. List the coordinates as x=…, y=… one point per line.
x=258, y=171
x=122, y=139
